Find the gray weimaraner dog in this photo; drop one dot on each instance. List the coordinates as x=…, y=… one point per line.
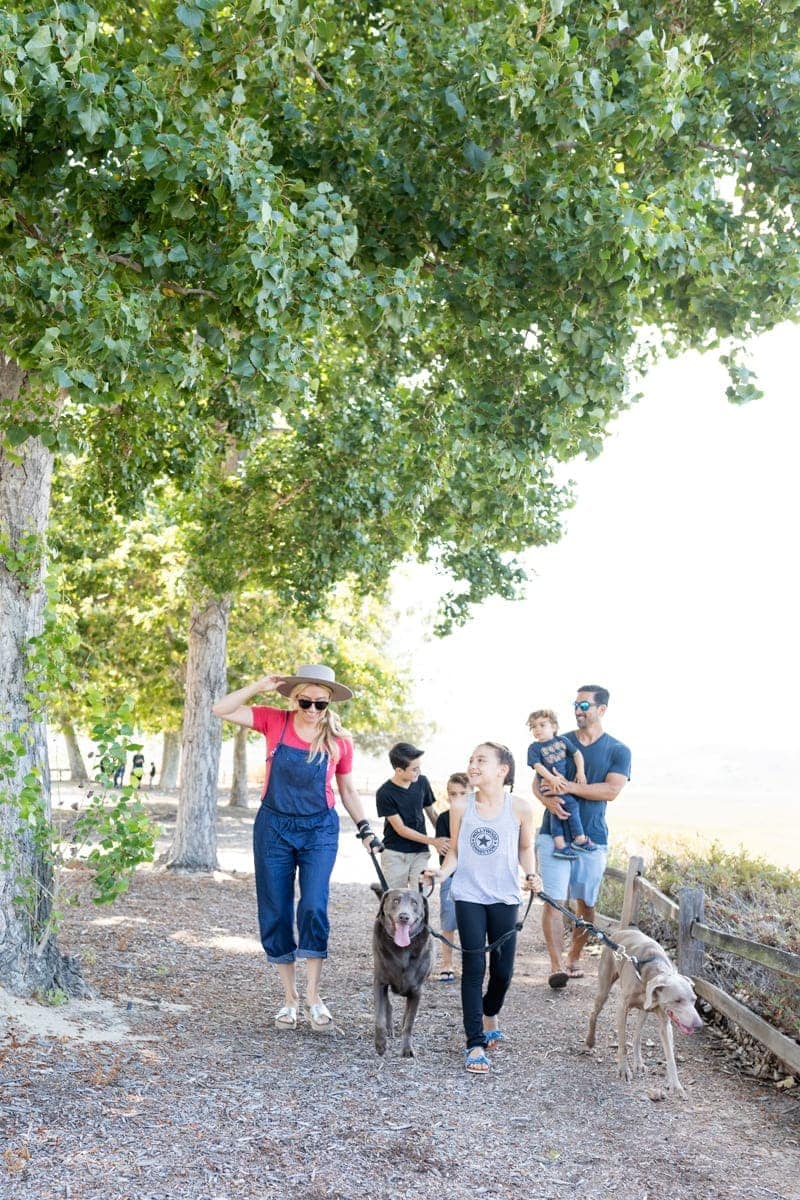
x=657, y=988
x=401, y=946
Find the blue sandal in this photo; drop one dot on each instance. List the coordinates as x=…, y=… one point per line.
x=476, y=1061
x=493, y=1036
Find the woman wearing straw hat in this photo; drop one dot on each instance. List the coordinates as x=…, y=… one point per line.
x=297, y=829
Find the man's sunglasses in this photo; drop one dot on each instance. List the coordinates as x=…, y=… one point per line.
x=305, y=703
x=583, y=705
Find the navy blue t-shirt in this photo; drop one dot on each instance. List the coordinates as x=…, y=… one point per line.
x=604, y=757
x=555, y=755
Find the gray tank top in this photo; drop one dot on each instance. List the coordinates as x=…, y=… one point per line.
x=488, y=856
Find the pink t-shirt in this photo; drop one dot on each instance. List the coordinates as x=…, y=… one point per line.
x=269, y=721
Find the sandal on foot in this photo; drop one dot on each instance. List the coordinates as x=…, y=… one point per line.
x=319, y=1017
x=493, y=1036
x=286, y=1017
x=476, y=1062
x=445, y=977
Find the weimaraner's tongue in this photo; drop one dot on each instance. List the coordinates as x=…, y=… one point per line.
x=402, y=936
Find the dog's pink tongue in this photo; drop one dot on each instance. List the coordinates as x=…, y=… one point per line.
x=402, y=936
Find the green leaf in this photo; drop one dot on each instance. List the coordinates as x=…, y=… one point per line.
x=189, y=16
x=92, y=120
x=451, y=98
x=38, y=47
x=17, y=434
x=182, y=209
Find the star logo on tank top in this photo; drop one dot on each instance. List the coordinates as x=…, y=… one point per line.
x=484, y=840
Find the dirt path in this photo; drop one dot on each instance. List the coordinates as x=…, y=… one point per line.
x=196, y=1096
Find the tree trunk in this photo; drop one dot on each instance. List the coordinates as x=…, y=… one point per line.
x=170, y=759
x=29, y=958
x=239, y=793
x=195, y=844
x=77, y=767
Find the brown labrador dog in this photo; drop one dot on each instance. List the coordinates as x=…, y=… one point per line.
x=657, y=988
x=402, y=950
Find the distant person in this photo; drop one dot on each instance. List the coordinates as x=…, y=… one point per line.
x=549, y=753
x=404, y=801
x=492, y=837
x=457, y=788
x=137, y=770
x=119, y=774
x=607, y=765
x=152, y=773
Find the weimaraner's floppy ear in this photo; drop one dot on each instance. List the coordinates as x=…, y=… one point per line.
x=650, y=997
x=381, y=906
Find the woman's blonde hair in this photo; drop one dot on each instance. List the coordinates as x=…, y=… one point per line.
x=329, y=729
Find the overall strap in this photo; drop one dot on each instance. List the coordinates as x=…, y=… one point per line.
x=279, y=742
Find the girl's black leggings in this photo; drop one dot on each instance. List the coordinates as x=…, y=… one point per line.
x=479, y=925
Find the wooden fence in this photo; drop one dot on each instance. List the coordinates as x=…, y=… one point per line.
x=693, y=936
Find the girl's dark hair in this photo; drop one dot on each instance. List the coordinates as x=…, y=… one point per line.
x=506, y=759
x=460, y=778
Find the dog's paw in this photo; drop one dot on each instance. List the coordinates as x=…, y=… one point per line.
x=380, y=1044
x=677, y=1090
x=625, y=1072
x=407, y=1050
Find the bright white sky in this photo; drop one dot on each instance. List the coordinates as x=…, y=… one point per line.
x=674, y=586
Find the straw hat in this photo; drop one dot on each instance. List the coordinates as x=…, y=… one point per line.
x=316, y=673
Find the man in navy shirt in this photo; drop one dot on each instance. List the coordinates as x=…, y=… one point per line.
x=607, y=764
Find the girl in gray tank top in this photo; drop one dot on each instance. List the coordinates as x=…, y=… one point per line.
x=491, y=837
x=488, y=856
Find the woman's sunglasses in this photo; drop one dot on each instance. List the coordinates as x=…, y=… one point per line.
x=305, y=703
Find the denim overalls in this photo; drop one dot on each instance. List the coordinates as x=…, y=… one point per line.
x=294, y=830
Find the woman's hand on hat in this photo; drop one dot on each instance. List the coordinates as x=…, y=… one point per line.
x=270, y=682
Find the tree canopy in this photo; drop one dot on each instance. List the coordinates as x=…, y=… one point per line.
x=422, y=237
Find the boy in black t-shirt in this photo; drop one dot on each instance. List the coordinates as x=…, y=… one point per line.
x=404, y=801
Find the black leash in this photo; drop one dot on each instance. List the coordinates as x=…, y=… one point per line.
x=600, y=934
x=483, y=949
x=381, y=876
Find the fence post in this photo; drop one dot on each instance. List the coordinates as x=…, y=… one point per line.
x=632, y=896
x=691, y=906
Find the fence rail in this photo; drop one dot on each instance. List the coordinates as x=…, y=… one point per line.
x=693, y=937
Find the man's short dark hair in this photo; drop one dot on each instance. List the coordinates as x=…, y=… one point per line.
x=403, y=754
x=600, y=693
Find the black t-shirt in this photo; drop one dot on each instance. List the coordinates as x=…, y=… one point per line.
x=443, y=829
x=408, y=804
x=138, y=761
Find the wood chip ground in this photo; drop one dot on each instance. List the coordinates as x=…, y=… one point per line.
x=205, y=1100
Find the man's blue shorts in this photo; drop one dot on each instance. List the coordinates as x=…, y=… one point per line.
x=563, y=879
